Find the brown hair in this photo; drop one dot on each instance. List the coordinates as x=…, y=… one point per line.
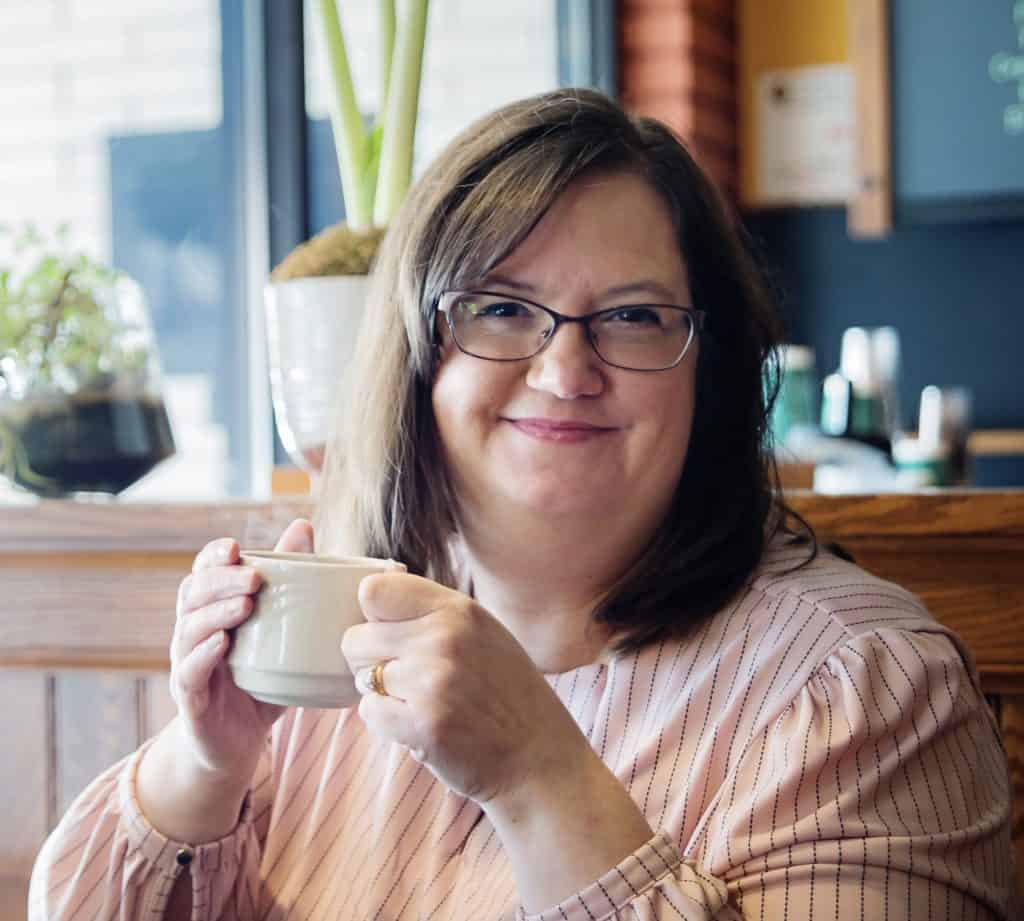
x=385, y=490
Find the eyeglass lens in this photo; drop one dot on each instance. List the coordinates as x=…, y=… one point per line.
x=637, y=336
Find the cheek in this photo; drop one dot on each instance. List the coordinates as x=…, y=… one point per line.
x=455, y=383
x=671, y=399
x=669, y=422
x=466, y=395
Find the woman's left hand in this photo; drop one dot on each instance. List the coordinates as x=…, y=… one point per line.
x=461, y=692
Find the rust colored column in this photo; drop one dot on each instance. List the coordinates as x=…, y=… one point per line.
x=678, y=63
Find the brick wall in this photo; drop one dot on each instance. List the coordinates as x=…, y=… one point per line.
x=677, y=63
x=75, y=72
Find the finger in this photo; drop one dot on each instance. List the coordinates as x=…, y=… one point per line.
x=388, y=679
x=366, y=644
x=389, y=718
x=183, y=589
x=297, y=538
x=204, y=622
x=409, y=679
x=210, y=585
x=395, y=596
x=192, y=675
x=216, y=553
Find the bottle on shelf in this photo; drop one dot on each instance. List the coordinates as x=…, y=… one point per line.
x=859, y=400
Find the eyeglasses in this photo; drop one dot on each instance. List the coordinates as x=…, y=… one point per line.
x=635, y=337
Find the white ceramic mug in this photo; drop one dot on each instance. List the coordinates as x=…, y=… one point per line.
x=289, y=650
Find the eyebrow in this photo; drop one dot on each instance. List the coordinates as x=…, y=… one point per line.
x=643, y=286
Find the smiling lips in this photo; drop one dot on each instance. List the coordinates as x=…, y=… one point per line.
x=557, y=430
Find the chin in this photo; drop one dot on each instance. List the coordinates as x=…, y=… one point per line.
x=562, y=500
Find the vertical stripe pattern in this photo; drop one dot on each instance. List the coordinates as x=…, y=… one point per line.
x=819, y=749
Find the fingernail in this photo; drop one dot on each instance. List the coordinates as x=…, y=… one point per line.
x=214, y=641
x=222, y=553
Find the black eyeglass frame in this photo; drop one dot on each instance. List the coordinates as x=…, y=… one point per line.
x=697, y=324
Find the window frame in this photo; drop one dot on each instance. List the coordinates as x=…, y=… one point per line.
x=586, y=48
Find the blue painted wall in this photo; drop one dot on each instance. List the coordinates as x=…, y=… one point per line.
x=955, y=292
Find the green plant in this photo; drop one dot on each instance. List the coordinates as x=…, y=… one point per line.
x=58, y=328
x=376, y=164
x=374, y=161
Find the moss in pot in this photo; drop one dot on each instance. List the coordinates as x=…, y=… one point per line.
x=80, y=406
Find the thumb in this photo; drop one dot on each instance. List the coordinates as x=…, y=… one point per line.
x=393, y=596
x=297, y=537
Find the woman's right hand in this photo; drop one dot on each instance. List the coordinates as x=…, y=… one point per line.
x=221, y=726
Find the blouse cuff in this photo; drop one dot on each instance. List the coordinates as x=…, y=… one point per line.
x=169, y=856
x=635, y=875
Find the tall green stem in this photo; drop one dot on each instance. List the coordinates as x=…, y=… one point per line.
x=387, y=48
x=350, y=138
x=395, y=170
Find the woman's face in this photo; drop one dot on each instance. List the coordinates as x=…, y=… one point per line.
x=563, y=434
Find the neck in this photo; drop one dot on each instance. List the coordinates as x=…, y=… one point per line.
x=546, y=590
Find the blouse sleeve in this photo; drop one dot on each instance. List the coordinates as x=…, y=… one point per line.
x=880, y=791
x=104, y=859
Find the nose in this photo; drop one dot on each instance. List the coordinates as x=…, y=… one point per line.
x=567, y=367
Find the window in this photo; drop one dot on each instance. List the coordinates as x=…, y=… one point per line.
x=140, y=123
x=477, y=57
x=113, y=120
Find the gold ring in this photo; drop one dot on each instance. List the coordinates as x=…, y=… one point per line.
x=377, y=679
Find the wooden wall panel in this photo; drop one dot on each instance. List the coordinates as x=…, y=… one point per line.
x=97, y=724
x=1011, y=718
x=158, y=708
x=131, y=605
x=25, y=774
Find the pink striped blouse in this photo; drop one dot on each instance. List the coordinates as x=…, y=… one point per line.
x=818, y=749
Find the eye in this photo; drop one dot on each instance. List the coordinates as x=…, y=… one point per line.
x=498, y=310
x=634, y=316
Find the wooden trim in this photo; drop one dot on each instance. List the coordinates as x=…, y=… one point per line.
x=112, y=658
x=794, y=475
x=62, y=526
x=987, y=442
x=144, y=529
x=869, y=211
x=289, y=481
x=51, y=751
x=996, y=679
x=951, y=512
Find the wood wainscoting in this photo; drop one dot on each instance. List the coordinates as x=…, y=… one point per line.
x=87, y=597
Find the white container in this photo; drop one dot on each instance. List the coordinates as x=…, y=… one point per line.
x=312, y=326
x=922, y=463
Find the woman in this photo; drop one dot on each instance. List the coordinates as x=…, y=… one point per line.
x=618, y=686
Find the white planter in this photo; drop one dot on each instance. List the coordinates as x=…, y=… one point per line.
x=312, y=325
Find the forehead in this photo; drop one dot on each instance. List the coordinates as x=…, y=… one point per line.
x=603, y=231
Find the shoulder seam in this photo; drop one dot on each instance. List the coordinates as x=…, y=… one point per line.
x=777, y=589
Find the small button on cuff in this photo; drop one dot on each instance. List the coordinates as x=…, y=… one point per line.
x=184, y=857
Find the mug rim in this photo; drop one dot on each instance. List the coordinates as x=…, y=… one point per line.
x=318, y=559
